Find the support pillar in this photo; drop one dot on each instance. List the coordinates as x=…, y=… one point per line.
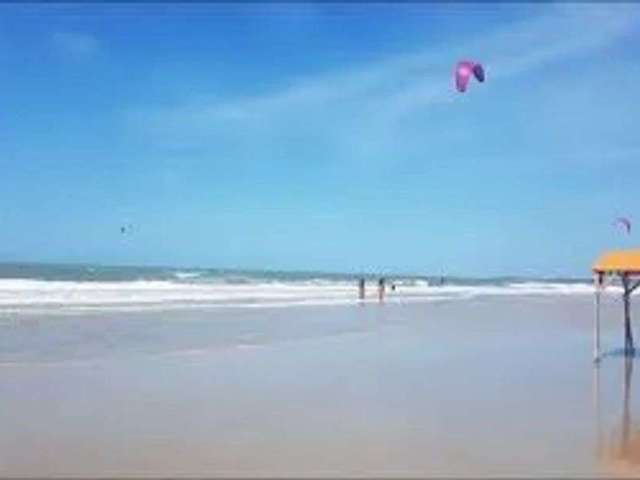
x=629, y=348
x=596, y=325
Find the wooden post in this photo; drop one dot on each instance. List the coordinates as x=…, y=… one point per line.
x=628, y=334
x=596, y=324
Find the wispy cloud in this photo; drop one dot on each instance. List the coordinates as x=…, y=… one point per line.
x=76, y=44
x=338, y=106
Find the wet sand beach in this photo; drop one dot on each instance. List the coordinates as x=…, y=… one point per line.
x=488, y=386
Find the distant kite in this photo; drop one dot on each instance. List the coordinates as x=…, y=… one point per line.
x=625, y=222
x=464, y=71
x=126, y=229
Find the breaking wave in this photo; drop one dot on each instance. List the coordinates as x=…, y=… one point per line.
x=19, y=294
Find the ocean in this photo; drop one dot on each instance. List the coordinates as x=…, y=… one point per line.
x=127, y=371
x=54, y=287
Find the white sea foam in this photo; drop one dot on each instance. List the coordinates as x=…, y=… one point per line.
x=187, y=275
x=36, y=295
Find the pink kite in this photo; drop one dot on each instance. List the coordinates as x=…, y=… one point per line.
x=464, y=70
x=626, y=222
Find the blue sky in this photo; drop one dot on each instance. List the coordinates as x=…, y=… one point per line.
x=326, y=137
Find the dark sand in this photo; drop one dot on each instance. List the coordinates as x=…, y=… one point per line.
x=485, y=387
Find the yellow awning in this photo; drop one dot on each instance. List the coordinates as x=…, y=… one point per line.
x=619, y=261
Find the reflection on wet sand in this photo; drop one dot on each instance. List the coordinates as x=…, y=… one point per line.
x=415, y=390
x=620, y=453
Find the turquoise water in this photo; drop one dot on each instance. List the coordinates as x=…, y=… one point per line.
x=106, y=273
x=48, y=287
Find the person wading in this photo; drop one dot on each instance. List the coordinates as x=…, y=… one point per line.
x=381, y=288
x=361, y=287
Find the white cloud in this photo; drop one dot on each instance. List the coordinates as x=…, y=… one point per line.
x=339, y=106
x=75, y=44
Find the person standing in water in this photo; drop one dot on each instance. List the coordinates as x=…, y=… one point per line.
x=381, y=283
x=361, y=289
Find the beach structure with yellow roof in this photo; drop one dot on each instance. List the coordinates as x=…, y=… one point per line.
x=624, y=264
